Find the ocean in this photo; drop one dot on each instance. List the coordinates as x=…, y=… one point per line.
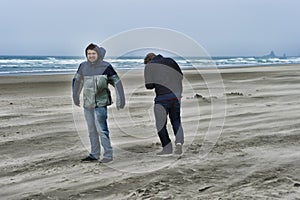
x=30, y=65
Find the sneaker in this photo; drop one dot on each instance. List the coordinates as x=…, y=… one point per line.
x=164, y=153
x=167, y=150
x=89, y=159
x=106, y=160
x=178, y=148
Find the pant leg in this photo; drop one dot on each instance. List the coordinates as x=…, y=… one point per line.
x=101, y=118
x=93, y=134
x=175, y=118
x=161, y=113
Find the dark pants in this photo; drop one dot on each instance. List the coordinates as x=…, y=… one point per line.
x=161, y=110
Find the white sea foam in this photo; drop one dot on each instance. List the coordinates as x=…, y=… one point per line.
x=36, y=64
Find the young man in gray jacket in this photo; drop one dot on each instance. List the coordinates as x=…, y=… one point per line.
x=93, y=76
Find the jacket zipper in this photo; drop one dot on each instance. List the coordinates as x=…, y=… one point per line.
x=95, y=91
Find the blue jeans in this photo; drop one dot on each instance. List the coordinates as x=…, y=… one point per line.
x=97, y=126
x=161, y=110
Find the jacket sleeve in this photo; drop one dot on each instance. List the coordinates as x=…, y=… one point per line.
x=77, y=85
x=148, y=77
x=115, y=81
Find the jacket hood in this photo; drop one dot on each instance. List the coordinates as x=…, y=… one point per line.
x=100, y=51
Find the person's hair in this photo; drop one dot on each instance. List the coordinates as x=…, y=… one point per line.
x=90, y=47
x=149, y=57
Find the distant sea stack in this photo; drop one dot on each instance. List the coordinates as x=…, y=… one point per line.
x=270, y=55
x=284, y=56
x=273, y=55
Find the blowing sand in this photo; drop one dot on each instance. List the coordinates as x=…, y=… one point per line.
x=242, y=139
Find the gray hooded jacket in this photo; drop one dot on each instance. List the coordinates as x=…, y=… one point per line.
x=94, y=78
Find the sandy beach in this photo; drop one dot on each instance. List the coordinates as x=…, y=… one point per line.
x=242, y=129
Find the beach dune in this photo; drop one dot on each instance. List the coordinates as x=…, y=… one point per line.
x=242, y=128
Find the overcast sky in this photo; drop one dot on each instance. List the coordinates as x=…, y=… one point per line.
x=222, y=27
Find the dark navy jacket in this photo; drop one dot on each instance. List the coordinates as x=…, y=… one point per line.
x=165, y=76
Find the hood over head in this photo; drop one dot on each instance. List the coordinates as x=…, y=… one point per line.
x=100, y=51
